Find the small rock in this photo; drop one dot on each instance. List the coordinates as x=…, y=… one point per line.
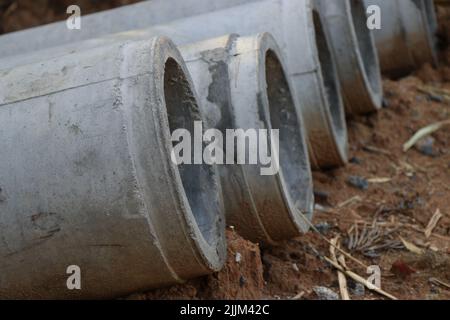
x=324, y=293
x=242, y=281
x=435, y=97
x=355, y=160
x=323, y=227
x=358, y=182
x=426, y=147
x=238, y=257
x=434, y=289
x=358, y=290
x=295, y=267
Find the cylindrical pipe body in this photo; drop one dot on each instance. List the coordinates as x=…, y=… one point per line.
x=87, y=177
x=406, y=39
x=298, y=31
x=355, y=53
x=242, y=85
x=130, y=17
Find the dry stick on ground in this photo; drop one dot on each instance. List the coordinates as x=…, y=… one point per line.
x=400, y=225
x=341, y=276
x=439, y=282
x=298, y=296
x=412, y=247
x=349, y=201
x=341, y=260
x=444, y=94
x=329, y=242
x=360, y=279
x=432, y=224
x=424, y=132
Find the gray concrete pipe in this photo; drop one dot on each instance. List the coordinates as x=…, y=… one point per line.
x=88, y=181
x=242, y=84
x=297, y=29
x=135, y=16
x=278, y=199
x=407, y=38
x=355, y=53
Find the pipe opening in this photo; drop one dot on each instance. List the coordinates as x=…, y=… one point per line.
x=329, y=76
x=198, y=181
x=294, y=165
x=365, y=44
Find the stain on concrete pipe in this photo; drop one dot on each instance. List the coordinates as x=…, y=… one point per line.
x=355, y=53
x=407, y=38
x=130, y=17
x=242, y=84
x=309, y=62
x=88, y=180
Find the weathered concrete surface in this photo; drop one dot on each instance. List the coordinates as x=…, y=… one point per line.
x=309, y=62
x=88, y=181
x=242, y=84
x=355, y=53
x=406, y=39
x=130, y=17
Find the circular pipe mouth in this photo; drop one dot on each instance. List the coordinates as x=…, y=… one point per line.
x=295, y=174
x=199, y=181
x=366, y=47
x=333, y=98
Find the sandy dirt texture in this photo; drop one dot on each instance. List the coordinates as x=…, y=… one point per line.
x=388, y=207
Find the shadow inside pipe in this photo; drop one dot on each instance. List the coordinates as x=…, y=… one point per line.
x=294, y=164
x=199, y=181
x=331, y=83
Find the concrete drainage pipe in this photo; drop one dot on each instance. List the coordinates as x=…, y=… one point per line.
x=89, y=181
x=300, y=35
x=406, y=39
x=355, y=53
x=242, y=84
x=284, y=194
x=135, y=16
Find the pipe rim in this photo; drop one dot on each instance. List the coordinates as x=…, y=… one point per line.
x=297, y=202
x=294, y=179
x=332, y=99
x=367, y=55
x=210, y=246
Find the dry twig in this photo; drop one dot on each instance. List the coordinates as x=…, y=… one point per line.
x=424, y=132
x=360, y=279
x=433, y=223
x=341, y=276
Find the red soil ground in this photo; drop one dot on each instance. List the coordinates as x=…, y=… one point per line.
x=406, y=190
